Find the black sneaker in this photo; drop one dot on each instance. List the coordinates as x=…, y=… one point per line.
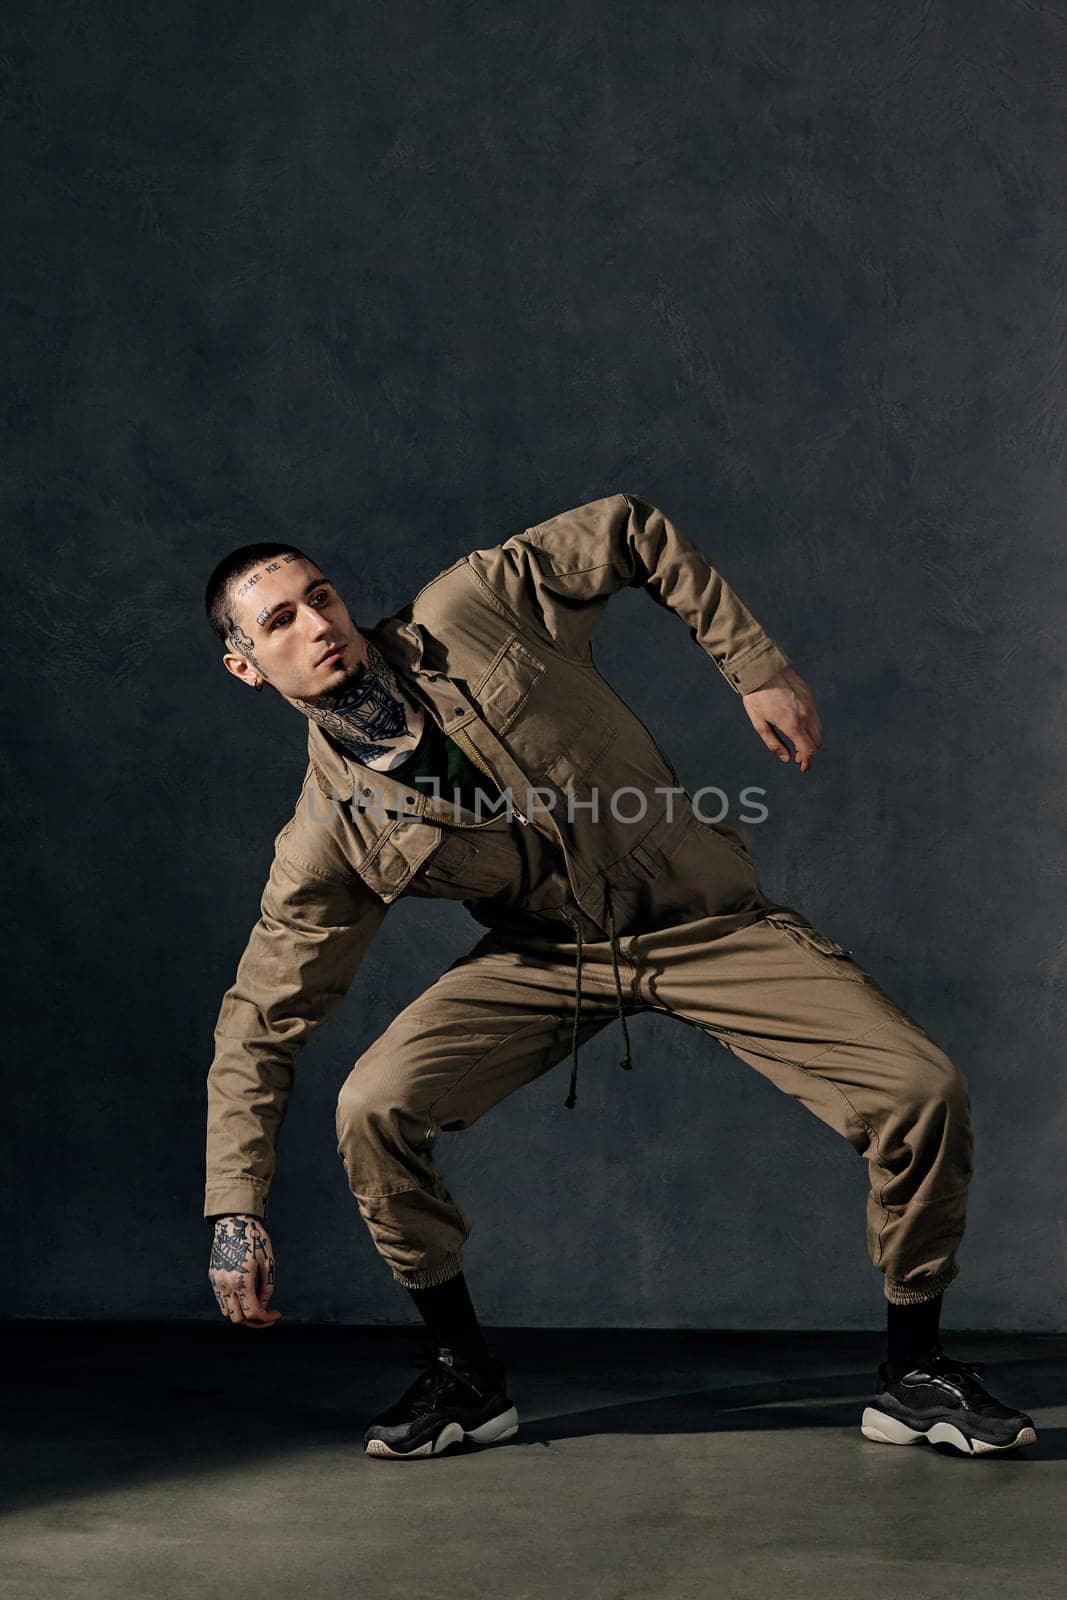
x=451, y=1400
x=944, y=1402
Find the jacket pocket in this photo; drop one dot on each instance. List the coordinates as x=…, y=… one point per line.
x=587, y=738
x=503, y=689
x=395, y=857
x=462, y=869
x=452, y=858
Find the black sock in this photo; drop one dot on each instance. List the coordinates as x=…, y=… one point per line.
x=449, y=1315
x=912, y=1332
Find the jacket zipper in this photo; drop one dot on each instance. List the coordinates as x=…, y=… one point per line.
x=459, y=736
x=426, y=814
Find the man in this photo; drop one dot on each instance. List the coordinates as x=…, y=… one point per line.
x=468, y=748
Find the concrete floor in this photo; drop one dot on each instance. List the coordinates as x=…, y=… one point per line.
x=205, y=1460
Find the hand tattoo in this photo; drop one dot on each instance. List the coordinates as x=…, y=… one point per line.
x=239, y=1243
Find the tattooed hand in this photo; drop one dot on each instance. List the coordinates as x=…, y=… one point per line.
x=242, y=1270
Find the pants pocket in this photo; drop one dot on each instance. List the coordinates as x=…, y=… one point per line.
x=738, y=839
x=833, y=956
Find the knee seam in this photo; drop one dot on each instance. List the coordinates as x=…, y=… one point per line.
x=528, y=1026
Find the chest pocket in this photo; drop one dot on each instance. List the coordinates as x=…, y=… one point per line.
x=508, y=682
x=555, y=724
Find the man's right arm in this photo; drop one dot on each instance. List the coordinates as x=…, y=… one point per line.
x=312, y=934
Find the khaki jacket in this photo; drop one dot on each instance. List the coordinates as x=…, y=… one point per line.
x=498, y=647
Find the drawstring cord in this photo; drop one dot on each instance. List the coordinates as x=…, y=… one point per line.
x=572, y=1093
x=626, y=1063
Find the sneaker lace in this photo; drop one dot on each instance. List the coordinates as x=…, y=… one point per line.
x=436, y=1379
x=971, y=1371
x=967, y=1376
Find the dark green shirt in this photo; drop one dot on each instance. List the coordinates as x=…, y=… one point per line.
x=438, y=756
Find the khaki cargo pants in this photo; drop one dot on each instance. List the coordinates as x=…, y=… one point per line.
x=782, y=996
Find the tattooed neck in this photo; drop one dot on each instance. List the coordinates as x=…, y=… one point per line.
x=370, y=716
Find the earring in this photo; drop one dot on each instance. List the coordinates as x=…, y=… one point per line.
x=258, y=684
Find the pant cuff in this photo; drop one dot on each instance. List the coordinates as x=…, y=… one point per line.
x=436, y=1272
x=920, y=1289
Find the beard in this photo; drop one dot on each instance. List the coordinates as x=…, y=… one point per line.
x=367, y=712
x=347, y=692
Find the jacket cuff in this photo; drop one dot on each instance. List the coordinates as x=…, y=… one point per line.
x=236, y=1194
x=753, y=667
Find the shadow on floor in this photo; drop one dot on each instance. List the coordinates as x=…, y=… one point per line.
x=93, y=1407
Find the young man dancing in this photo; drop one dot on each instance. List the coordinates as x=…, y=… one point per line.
x=467, y=748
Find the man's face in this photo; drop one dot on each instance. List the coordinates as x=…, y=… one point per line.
x=288, y=616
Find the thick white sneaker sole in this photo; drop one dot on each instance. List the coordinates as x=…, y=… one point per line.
x=492, y=1432
x=886, y=1429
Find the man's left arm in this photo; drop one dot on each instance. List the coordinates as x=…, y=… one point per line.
x=563, y=572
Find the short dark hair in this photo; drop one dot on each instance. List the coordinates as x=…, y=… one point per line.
x=218, y=596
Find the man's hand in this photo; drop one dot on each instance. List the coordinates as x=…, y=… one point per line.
x=784, y=705
x=242, y=1270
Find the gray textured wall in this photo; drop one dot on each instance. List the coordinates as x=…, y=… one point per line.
x=398, y=280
